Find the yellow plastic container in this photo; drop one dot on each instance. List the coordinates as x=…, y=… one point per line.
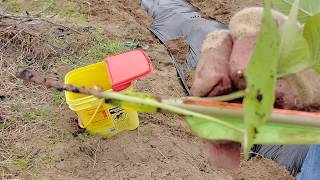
x=94, y=114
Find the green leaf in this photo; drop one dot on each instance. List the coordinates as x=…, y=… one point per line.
x=212, y=131
x=267, y=134
x=307, y=8
x=287, y=134
x=261, y=78
x=312, y=34
x=294, y=49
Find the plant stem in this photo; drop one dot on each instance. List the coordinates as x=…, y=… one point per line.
x=167, y=107
x=201, y=108
x=33, y=76
x=228, y=97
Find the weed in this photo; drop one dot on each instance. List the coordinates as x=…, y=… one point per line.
x=68, y=61
x=37, y=175
x=62, y=8
x=70, y=10
x=105, y=47
x=57, y=97
x=13, y=6
x=134, y=44
x=16, y=106
x=27, y=117
x=85, y=48
x=23, y=163
x=32, y=116
x=42, y=112
x=50, y=146
x=46, y=159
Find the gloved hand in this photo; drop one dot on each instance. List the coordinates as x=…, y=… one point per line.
x=224, y=57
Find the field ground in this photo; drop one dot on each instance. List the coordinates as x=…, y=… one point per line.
x=39, y=138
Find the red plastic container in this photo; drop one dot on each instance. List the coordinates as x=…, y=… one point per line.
x=127, y=67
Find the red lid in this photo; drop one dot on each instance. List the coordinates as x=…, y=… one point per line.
x=127, y=67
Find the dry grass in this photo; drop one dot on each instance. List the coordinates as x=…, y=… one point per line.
x=32, y=115
x=26, y=110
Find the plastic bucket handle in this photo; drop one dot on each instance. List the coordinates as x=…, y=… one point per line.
x=82, y=125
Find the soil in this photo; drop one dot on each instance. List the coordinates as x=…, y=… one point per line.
x=223, y=10
x=179, y=49
x=162, y=147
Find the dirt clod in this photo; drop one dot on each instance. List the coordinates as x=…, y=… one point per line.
x=2, y=97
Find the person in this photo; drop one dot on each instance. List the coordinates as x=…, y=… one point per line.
x=220, y=70
x=311, y=165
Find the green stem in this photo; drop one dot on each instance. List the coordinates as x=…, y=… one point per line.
x=228, y=97
x=165, y=106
